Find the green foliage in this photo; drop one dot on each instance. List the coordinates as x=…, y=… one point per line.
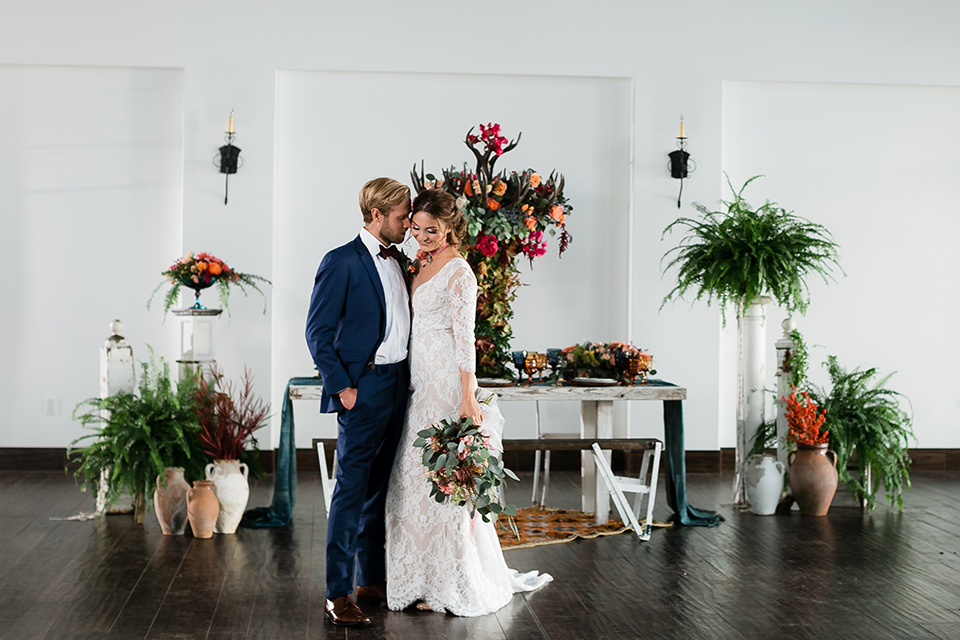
x=798, y=359
x=737, y=255
x=136, y=436
x=865, y=418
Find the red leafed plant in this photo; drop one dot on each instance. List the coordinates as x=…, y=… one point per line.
x=804, y=421
x=228, y=419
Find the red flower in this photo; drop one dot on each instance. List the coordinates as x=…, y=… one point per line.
x=804, y=420
x=487, y=245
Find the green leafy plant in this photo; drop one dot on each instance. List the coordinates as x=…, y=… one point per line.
x=136, y=436
x=867, y=423
x=736, y=256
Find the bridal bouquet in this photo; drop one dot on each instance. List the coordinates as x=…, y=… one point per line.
x=463, y=467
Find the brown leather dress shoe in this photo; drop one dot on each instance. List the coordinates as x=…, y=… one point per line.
x=343, y=612
x=373, y=593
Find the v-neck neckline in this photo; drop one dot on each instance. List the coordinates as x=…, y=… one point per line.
x=431, y=278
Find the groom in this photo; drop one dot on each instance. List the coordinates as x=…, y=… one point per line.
x=358, y=327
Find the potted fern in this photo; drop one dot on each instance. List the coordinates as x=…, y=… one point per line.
x=868, y=426
x=743, y=257
x=136, y=437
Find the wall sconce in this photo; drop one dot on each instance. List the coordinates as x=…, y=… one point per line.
x=680, y=164
x=229, y=159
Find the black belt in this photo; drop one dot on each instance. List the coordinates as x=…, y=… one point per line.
x=387, y=368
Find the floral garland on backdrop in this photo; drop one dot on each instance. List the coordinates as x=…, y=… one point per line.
x=508, y=215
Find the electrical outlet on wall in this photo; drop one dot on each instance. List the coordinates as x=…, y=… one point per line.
x=51, y=406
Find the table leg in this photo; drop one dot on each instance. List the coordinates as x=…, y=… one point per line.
x=596, y=423
x=604, y=430
x=588, y=470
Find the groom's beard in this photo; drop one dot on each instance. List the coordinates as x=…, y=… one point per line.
x=387, y=238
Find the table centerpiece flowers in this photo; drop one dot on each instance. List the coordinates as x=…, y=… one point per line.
x=201, y=270
x=600, y=360
x=509, y=215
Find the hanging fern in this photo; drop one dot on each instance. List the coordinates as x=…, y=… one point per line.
x=737, y=255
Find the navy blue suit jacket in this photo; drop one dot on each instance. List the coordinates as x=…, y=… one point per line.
x=347, y=319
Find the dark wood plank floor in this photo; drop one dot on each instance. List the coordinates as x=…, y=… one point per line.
x=851, y=575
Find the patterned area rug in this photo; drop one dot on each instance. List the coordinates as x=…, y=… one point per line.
x=539, y=526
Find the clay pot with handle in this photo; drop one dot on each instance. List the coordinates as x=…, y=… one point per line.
x=813, y=478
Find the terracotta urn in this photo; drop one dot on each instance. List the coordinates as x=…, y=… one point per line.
x=170, y=502
x=202, y=509
x=230, y=483
x=813, y=478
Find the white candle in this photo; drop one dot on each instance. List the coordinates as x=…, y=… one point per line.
x=682, y=134
x=230, y=124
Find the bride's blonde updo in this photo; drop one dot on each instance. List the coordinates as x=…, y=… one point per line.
x=442, y=206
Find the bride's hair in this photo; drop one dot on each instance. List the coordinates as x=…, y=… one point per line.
x=442, y=206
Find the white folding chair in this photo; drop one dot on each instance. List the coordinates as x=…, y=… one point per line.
x=645, y=485
x=327, y=480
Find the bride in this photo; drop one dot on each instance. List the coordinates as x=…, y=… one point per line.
x=437, y=556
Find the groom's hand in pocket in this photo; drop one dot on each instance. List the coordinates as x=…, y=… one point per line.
x=348, y=398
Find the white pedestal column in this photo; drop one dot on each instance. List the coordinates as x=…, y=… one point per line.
x=785, y=380
x=197, y=338
x=118, y=374
x=752, y=377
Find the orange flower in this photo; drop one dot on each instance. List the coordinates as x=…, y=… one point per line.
x=531, y=222
x=215, y=269
x=492, y=204
x=557, y=213
x=500, y=188
x=535, y=180
x=524, y=208
x=201, y=266
x=468, y=189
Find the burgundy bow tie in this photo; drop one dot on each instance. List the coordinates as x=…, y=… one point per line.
x=389, y=252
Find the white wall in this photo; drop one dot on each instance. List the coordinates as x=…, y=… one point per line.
x=869, y=163
x=678, y=56
x=320, y=170
x=92, y=171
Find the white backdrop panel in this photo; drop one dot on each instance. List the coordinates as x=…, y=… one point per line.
x=90, y=213
x=874, y=164
x=336, y=130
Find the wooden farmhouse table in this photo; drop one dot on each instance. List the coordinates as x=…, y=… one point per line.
x=596, y=424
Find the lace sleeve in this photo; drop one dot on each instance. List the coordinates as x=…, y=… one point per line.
x=463, y=306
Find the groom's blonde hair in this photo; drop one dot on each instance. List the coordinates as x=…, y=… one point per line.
x=383, y=194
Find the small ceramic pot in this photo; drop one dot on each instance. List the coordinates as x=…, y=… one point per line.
x=202, y=509
x=170, y=502
x=763, y=481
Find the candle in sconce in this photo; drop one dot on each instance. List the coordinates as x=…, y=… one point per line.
x=230, y=123
x=682, y=133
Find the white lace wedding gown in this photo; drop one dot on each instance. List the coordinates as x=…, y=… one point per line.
x=435, y=552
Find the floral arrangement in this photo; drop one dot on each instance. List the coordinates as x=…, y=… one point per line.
x=804, y=421
x=598, y=359
x=462, y=467
x=202, y=270
x=228, y=418
x=508, y=215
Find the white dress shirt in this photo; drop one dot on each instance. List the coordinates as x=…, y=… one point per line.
x=396, y=336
